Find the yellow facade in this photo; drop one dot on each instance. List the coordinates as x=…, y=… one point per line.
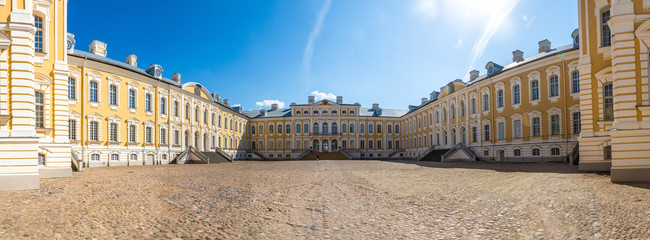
x=587, y=100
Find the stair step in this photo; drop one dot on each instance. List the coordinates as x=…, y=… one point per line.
x=325, y=156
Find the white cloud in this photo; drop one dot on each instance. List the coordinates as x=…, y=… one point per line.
x=500, y=12
x=313, y=35
x=321, y=95
x=427, y=8
x=267, y=103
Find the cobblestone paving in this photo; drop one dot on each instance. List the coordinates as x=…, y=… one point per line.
x=329, y=200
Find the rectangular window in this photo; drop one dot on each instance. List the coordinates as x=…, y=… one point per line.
x=298, y=128
x=38, y=36
x=486, y=102
x=575, y=81
x=554, y=88
x=577, y=125
x=555, y=124
x=534, y=90
x=112, y=95
x=40, y=115
x=606, y=33
x=131, y=98
x=112, y=131
x=516, y=95
x=517, y=126
x=362, y=144
x=501, y=130
x=94, y=157
x=163, y=136
x=288, y=129
x=536, y=127
x=607, y=152
x=177, y=137
x=370, y=144
x=163, y=107
x=473, y=105
x=92, y=89
x=93, y=131
x=486, y=132
x=474, y=134
x=362, y=128
x=132, y=133
x=608, y=102
x=148, y=135
x=72, y=129
x=72, y=88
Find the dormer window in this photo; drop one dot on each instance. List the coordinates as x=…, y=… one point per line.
x=297, y=112
x=315, y=112
x=351, y=112
x=334, y=112
x=324, y=112
x=344, y=112
x=305, y=112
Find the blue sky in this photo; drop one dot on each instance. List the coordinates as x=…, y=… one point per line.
x=391, y=52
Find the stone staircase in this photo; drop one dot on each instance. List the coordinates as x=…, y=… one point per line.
x=216, y=157
x=325, y=156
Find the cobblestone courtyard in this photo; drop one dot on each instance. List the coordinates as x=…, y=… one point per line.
x=329, y=199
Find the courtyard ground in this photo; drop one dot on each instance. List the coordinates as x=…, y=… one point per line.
x=329, y=200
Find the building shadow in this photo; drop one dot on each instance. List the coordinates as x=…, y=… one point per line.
x=546, y=167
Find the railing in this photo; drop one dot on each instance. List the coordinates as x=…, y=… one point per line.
x=261, y=156
x=390, y=155
x=345, y=153
x=304, y=153
x=424, y=154
x=225, y=154
x=193, y=149
x=76, y=162
x=458, y=147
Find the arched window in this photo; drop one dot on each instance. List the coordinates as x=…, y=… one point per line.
x=516, y=94
x=335, y=128
x=536, y=152
x=608, y=102
x=114, y=157
x=378, y=128
x=473, y=105
x=444, y=114
x=252, y=129
x=351, y=127
x=537, y=131
x=390, y=129
x=72, y=88
x=271, y=129
x=344, y=128
x=298, y=128
x=500, y=103
x=452, y=112
x=462, y=109
x=575, y=81
x=315, y=128
x=92, y=88
x=362, y=128
x=444, y=138
x=38, y=36
x=453, y=137
x=40, y=108
x=196, y=114
x=131, y=98
x=554, y=86
x=370, y=128
x=133, y=157
x=279, y=128
x=463, y=135
x=517, y=152
x=437, y=116
x=555, y=151
x=325, y=128
x=606, y=33
x=486, y=102
x=534, y=90
x=147, y=102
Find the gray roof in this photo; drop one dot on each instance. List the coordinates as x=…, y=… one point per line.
x=95, y=57
x=363, y=112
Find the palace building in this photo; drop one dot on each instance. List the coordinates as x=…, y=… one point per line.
x=63, y=108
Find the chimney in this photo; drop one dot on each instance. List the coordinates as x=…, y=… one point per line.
x=226, y=102
x=424, y=100
x=517, y=56
x=339, y=100
x=262, y=112
x=544, y=46
x=274, y=107
x=98, y=47
x=433, y=95
x=375, y=106
x=473, y=75
x=311, y=99
x=215, y=96
x=237, y=109
x=132, y=60
x=176, y=77
x=70, y=42
x=155, y=71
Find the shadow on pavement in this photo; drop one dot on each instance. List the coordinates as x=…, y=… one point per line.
x=547, y=167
